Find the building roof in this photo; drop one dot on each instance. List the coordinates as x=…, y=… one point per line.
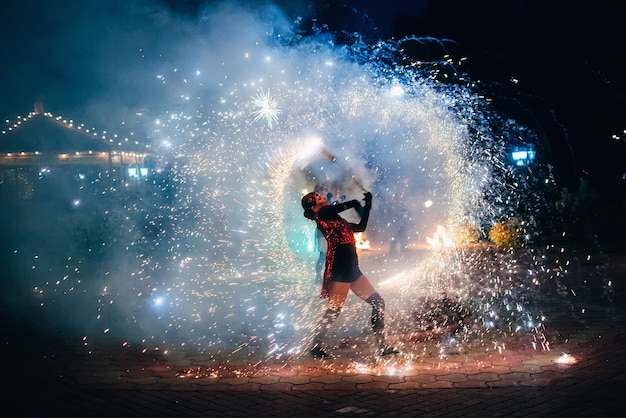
x=44, y=133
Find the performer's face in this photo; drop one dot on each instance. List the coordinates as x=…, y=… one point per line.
x=320, y=201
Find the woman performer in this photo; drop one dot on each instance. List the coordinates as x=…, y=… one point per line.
x=342, y=271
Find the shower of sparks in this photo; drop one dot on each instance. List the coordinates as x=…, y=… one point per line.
x=266, y=108
x=212, y=252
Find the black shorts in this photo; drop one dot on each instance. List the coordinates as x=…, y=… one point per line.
x=345, y=267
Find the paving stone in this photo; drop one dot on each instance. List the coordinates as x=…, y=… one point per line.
x=247, y=387
x=358, y=378
x=485, y=377
x=267, y=380
x=277, y=386
x=516, y=376
x=371, y=386
x=502, y=383
x=453, y=377
x=495, y=369
x=326, y=379
x=296, y=380
x=388, y=379
x=439, y=384
x=421, y=378
x=307, y=387
x=405, y=385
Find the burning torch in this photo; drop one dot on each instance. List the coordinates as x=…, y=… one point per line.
x=330, y=156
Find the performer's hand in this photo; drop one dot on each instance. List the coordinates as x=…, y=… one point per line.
x=368, y=199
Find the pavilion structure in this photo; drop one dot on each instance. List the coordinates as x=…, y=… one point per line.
x=42, y=156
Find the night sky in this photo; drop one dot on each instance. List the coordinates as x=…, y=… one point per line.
x=554, y=66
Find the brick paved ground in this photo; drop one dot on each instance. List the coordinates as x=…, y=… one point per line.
x=46, y=375
x=49, y=372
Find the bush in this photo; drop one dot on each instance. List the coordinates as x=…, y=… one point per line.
x=506, y=234
x=466, y=234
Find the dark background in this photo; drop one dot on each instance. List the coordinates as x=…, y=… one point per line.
x=555, y=66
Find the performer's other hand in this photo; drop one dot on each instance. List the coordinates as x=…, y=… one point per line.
x=367, y=199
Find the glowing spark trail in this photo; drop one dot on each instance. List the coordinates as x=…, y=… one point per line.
x=211, y=252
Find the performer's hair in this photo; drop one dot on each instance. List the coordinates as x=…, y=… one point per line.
x=308, y=201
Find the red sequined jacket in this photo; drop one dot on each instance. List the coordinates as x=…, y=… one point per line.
x=339, y=231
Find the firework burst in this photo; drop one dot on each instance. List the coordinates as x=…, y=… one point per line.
x=266, y=108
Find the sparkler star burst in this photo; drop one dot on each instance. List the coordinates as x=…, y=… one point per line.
x=266, y=108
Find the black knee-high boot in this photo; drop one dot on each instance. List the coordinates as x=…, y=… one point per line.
x=378, y=317
x=327, y=320
x=378, y=323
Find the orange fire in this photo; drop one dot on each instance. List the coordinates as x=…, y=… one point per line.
x=361, y=243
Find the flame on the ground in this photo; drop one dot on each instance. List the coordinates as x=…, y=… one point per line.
x=361, y=244
x=566, y=359
x=440, y=239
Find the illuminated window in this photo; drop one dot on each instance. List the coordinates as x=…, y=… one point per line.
x=137, y=172
x=523, y=157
